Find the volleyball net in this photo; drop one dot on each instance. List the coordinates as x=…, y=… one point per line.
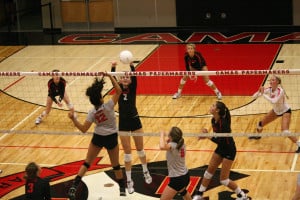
x=23, y=99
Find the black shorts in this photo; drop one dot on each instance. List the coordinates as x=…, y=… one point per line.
x=288, y=111
x=130, y=124
x=107, y=141
x=228, y=152
x=179, y=182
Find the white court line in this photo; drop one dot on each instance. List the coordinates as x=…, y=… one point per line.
x=266, y=170
x=294, y=162
x=155, y=157
x=33, y=112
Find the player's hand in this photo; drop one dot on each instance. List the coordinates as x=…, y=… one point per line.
x=59, y=104
x=114, y=63
x=261, y=90
x=72, y=115
x=203, y=130
x=193, y=78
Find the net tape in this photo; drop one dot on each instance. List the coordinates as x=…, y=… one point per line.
x=159, y=73
x=127, y=133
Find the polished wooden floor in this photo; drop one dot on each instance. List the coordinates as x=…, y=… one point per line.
x=270, y=162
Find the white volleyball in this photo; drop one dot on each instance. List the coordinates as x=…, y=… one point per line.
x=126, y=57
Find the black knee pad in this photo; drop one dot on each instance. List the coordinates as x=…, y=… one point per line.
x=87, y=165
x=118, y=167
x=183, y=193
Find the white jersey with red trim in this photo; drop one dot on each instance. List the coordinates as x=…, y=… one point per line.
x=277, y=98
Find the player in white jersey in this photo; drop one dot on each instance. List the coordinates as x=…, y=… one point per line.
x=177, y=170
x=276, y=95
x=105, y=132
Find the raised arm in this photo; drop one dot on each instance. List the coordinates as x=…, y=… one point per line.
x=163, y=145
x=82, y=127
x=117, y=87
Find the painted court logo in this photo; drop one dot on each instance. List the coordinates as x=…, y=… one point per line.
x=102, y=186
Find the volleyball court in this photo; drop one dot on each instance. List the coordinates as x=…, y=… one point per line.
x=218, y=57
x=271, y=159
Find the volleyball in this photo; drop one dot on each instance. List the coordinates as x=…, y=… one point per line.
x=126, y=57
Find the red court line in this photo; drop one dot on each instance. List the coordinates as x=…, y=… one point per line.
x=169, y=57
x=148, y=149
x=13, y=83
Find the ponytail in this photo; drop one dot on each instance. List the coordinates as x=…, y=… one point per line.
x=224, y=112
x=176, y=135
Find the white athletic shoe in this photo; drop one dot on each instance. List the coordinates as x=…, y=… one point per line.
x=130, y=187
x=38, y=120
x=219, y=95
x=176, y=95
x=197, y=197
x=148, y=178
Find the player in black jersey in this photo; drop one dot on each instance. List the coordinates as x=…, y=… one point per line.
x=129, y=121
x=36, y=188
x=224, y=153
x=194, y=61
x=56, y=87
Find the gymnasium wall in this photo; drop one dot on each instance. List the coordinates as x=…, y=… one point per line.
x=177, y=13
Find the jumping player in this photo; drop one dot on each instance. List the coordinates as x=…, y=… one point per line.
x=36, y=188
x=56, y=87
x=194, y=61
x=177, y=170
x=129, y=121
x=105, y=132
x=224, y=153
x=276, y=95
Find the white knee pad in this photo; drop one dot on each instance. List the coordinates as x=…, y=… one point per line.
x=182, y=81
x=286, y=131
x=141, y=153
x=209, y=83
x=225, y=182
x=70, y=105
x=208, y=175
x=127, y=157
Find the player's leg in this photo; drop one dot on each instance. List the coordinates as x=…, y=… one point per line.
x=215, y=161
x=224, y=179
x=114, y=159
x=285, y=125
x=168, y=193
x=92, y=153
x=211, y=84
x=47, y=110
x=139, y=144
x=68, y=102
x=269, y=117
x=180, y=87
x=126, y=143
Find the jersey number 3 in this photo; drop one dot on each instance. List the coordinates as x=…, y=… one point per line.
x=30, y=187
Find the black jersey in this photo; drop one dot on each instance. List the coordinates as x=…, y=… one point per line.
x=37, y=189
x=197, y=61
x=127, y=100
x=56, y=89
x=222, y=126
